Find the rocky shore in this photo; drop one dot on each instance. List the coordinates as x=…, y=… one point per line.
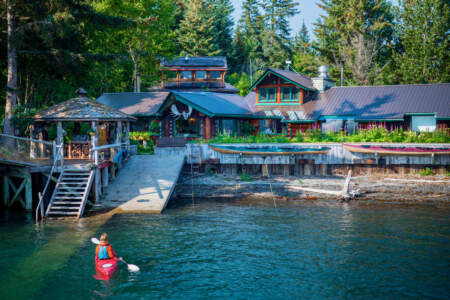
x=409, y=190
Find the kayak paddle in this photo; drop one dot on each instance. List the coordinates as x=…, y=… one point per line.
x=131, y=267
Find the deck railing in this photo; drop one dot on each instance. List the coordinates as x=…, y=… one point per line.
x=45, y=196
x=26, y=150
x=111, y=147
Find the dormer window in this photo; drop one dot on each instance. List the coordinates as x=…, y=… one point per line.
x=267, y=95
x=289, y=94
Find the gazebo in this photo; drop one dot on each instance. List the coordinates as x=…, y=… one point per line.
x=93, y=125
x=91, y=135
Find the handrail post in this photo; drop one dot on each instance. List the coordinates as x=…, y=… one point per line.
x=55, y=154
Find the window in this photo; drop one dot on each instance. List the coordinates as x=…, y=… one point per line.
x=423, y=123
x=171, y=75
x=267, y=95
x=187, y=128
x=200, y=75
x=214, y=75
x=186, y=75
x=289, y=94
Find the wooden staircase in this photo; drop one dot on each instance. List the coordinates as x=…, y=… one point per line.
x=70, y=194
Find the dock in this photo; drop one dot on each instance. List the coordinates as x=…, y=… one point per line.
x=145, y=183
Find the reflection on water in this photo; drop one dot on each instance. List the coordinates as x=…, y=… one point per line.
x=250, y=249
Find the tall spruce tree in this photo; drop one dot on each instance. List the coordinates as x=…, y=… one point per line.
x=305, y=59
x=196, y=34
x=277, y=38
x=247, y=43
x=223, y=25
x=302, y=40
x=356, y=34
x=424, y=40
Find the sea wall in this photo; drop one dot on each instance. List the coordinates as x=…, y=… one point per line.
x=338, y=161
x=337, y=155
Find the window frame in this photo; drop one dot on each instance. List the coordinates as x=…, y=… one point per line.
x=182, y=78
x=267, y=93
x=201, y=79
x=215, y=78
x=290, y=100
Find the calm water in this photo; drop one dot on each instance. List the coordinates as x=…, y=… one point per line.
x=237, y=250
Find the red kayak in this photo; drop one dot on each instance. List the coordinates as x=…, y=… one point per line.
x=105, y=268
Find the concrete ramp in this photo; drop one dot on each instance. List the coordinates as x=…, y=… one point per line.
x=145, y=183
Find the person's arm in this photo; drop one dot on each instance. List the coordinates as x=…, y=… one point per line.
x=111, y=252
x=96, y=250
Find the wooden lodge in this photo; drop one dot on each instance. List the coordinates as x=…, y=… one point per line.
x=194, y=101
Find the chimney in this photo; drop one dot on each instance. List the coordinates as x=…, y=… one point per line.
x=323, y=82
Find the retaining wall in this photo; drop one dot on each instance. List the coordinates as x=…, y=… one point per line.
x=336, y=156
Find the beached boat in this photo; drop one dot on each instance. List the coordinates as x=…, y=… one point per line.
x=105, y=268
x=396, y=150
x=268, y=150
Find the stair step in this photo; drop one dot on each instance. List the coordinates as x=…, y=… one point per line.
x=64, y=208
x=66, y=202
x=70, y=213
x=71, y=178
x=71, y=188
x=76, y=173
x=68, y=194
x=68, y=197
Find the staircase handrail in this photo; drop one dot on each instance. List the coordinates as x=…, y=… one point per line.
x=57, y=158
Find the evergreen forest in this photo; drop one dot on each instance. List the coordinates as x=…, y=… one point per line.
x=51, y=48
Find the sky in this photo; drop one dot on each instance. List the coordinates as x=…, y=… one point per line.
x=309, y=12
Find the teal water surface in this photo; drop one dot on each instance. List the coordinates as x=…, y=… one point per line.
x=239, y=250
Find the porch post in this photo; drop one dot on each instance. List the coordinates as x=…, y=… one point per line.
x=94, y=139
x=59, y=136
x=207, y=128
x=119, y=132
x=127, y=135
x=33, y=147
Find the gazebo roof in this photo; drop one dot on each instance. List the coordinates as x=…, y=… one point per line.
x=81, y=109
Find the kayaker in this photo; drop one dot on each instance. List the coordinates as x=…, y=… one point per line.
x=104, y=249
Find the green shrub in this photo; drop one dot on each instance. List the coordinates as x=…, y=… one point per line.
x=379, y=134
x=427, y=172
x=246, y=177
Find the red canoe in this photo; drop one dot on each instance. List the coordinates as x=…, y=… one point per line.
x=396, y=150
x=105, y=268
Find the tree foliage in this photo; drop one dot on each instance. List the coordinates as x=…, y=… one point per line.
x=423, y=29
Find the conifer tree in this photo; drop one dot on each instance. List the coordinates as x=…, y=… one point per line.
x=277, y=35
x=302, y=41
x=305, y=59
x=196, y=33
x=424, y=38
x=223, y=25
x=247, y=43
x=357, y=34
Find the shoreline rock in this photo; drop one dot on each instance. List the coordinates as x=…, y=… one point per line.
x=393, y=190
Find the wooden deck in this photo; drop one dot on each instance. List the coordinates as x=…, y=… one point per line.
x=145, y=183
